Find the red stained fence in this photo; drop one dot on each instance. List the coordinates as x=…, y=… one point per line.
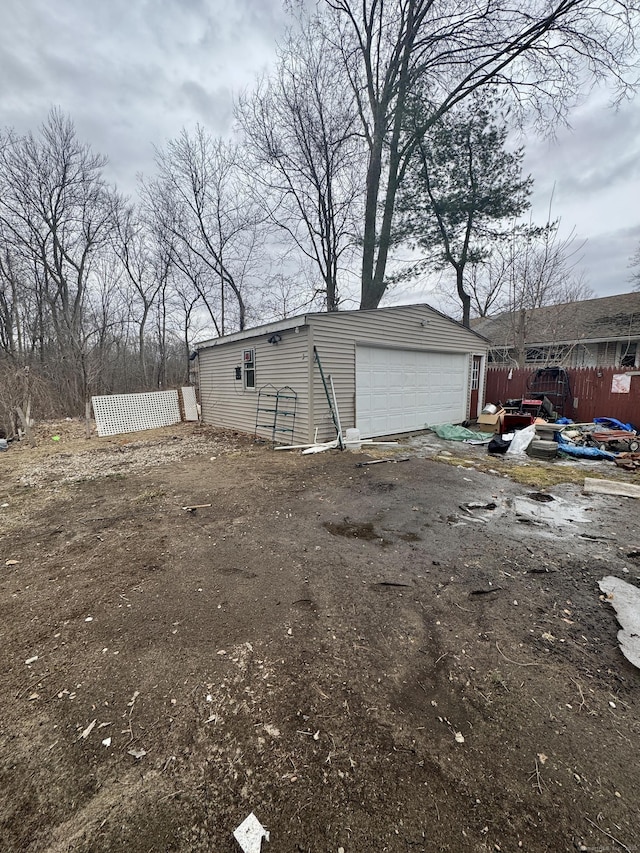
x=589, y=394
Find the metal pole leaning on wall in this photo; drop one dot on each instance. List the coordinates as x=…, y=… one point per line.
x=334, y=410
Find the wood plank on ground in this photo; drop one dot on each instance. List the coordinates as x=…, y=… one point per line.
x=610, y=487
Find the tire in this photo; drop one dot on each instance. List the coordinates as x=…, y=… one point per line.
x=603, y=446
x=633, y=446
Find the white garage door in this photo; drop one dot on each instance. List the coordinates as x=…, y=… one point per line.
x=402, y=390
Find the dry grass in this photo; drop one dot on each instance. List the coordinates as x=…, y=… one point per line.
x=539, y=475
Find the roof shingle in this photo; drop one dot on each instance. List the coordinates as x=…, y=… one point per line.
x=607, y=318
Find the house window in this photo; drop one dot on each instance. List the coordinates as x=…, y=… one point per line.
x=606, y=354
x=546, y=355
x=536, y=355
x=249, y=368
x=628, y=355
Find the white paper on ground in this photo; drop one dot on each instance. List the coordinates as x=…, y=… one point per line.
x=250, y=833
x=625, y=598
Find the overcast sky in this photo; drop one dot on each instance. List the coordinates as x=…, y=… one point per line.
x=132, y=73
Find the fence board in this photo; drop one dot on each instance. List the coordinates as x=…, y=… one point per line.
x=590, y=392
x=118, y=413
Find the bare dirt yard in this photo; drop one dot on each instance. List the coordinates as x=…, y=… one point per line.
x=351, y=653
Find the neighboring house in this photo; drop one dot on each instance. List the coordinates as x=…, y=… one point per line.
x=591, y=333
x=393, y=369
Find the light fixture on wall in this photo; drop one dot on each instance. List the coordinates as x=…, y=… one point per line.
x=275, y=339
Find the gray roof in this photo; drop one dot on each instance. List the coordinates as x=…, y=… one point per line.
x=604, y=319
x=303, y=320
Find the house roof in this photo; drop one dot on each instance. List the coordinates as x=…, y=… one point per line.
x=303, y=320
x=605, y=319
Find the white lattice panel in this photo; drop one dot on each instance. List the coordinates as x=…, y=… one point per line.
x=190, y=403
x=133, y=412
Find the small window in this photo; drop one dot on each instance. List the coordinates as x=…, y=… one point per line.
x=628, y=354
x=475, y=373
x=535, y=355
x=546, y=355
x=249, y=368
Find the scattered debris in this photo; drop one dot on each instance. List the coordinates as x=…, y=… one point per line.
x=593, y=538
x=12, y=562
x=628, y=461
x=451, y=432
x=541, y=497
x=29, y=661
x=459, y=737
x=85, y=734
x=272, y=731
x=521, y=440
x=610, y=487
x=250, y=833
x=195, y=507
x=540, y=448
x=106, y=741
x=625, y=599
x=484, y=591
x=137, y=753
x=380, y=461
x=468, y=506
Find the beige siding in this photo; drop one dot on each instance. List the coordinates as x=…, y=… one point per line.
x=407, y=327
x=225, y=402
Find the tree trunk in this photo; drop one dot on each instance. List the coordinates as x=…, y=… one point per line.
x=465, y=298
x=87, y=418
x=369, y=296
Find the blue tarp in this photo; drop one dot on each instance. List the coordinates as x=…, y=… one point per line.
x=613, y=423
x=579, y=452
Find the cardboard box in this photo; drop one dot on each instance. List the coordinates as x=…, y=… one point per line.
x=491, y=423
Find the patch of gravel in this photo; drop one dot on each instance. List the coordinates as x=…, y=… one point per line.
x=133, y=458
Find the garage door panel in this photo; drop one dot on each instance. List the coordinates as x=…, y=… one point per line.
x=403, y=390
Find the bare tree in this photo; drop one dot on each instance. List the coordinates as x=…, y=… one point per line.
x=300, y=129
x=145, y=254
x=542, y=51
x=534, y=270
x=199, y=199
x=58, y=211
x=634, y=263
x=14, y=300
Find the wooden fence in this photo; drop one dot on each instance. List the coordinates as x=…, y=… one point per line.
x=589, y=394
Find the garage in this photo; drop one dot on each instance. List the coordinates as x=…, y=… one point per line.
x=400, y=390
x=385, y=371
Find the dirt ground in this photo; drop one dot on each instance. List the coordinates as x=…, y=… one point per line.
x=351, y=653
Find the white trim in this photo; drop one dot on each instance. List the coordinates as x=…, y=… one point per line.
x=267, y=329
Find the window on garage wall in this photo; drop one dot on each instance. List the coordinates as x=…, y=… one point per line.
x=249, y=369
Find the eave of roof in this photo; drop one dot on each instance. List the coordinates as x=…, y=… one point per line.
x=303, y=320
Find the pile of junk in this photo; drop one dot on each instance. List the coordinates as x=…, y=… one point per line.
x=532, y=426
